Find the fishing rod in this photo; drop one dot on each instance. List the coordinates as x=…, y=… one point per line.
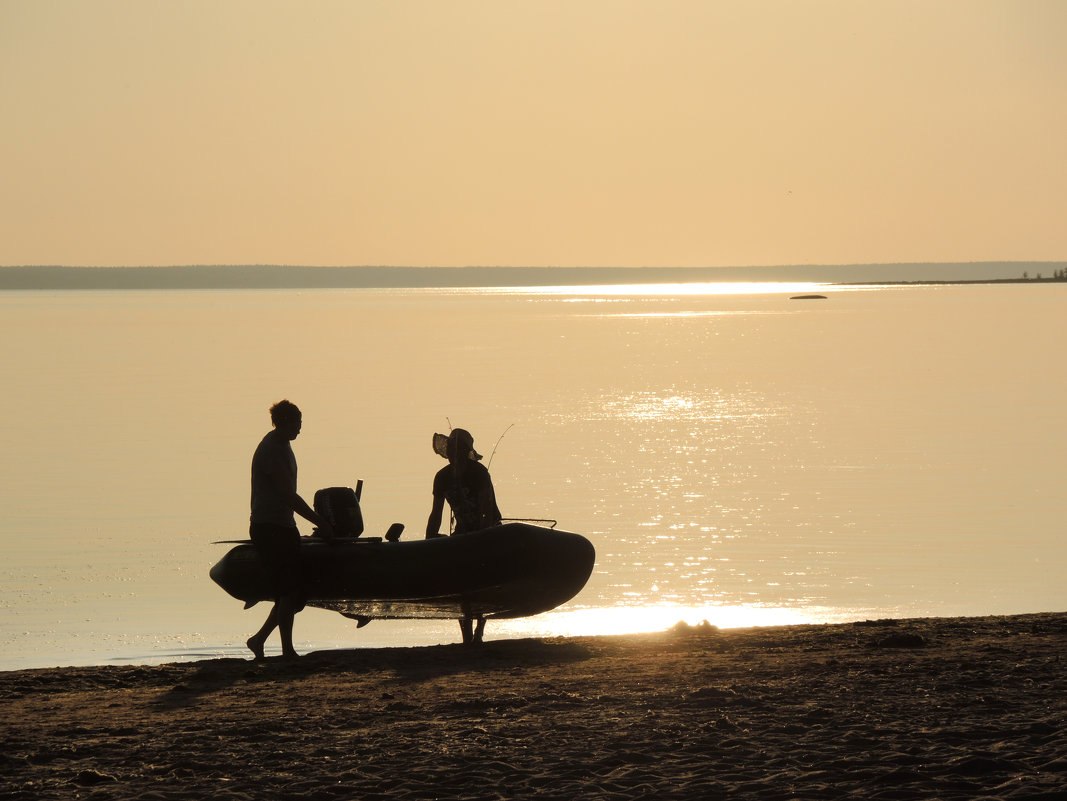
x=491, y=455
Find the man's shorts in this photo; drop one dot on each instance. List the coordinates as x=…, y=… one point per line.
x=280, y=548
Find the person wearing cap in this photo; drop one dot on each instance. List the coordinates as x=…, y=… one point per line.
x=465, y=483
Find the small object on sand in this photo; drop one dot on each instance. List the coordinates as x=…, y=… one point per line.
x=808, y=297
x=704, y=627
x=90, y=777
x=902, y=640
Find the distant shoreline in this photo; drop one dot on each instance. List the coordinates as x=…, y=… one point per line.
x=1041, y=280
x=368, y=277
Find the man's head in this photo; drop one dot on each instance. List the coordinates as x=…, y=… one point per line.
x=457, y=446
x=461, y=446
x=286, y=418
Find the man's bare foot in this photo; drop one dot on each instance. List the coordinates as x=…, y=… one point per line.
x=256, y=648
x=290, y=655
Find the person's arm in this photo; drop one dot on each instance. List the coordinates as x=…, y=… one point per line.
x=300, y=507
x=490, y=513
x=433, y=524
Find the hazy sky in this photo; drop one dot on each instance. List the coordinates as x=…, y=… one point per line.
x=582, y=132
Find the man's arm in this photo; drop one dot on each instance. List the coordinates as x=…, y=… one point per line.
x=300, y=506
x=488, y=509
x=433, y=525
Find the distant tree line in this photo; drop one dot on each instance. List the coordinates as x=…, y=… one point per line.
x=1057, y=275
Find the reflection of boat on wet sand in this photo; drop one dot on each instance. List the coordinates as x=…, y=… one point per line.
x=511, y=570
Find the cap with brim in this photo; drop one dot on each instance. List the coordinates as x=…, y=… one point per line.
x=462, y=439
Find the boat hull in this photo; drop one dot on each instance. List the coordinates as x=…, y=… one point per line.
x=512, y=570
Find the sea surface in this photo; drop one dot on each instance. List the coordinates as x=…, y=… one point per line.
x=733, y=454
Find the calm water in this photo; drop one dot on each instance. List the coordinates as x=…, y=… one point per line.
x=733, y=454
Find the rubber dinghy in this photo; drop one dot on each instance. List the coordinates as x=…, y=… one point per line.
x=508, y=571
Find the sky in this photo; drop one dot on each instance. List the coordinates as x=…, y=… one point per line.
x=572, y=133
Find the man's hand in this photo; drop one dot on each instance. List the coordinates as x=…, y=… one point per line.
x=325, y=531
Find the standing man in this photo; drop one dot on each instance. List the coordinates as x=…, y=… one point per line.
x=465, y=483
x=273, y=527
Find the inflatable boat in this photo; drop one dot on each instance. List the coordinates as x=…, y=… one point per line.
x=508, y=571
x=513, y=570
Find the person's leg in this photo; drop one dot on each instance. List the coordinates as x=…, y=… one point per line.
x=286, y=613
x=278, y=548
x=479, y=629
x=465, y=630
x=281, y=616
x=256, y=642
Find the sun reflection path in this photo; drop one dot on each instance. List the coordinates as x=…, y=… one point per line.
x=696, y=288
x=593, y=621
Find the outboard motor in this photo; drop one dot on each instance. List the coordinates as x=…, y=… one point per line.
x=340, y=506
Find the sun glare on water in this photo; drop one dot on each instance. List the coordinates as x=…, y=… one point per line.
x=644, y=619
x=661, y=290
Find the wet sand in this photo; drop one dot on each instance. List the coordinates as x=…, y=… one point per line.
x=935, y=708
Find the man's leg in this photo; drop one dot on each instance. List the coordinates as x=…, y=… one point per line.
x=286, y=613
x=256, y=642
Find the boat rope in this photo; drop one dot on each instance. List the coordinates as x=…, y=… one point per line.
x=539, y=520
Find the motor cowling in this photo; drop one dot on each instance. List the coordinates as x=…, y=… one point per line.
x=340, y=507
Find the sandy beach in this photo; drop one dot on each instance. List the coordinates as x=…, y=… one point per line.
x=932, y=708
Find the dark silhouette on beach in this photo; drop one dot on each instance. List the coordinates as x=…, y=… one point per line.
x=465, y=483
x=273, y=526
